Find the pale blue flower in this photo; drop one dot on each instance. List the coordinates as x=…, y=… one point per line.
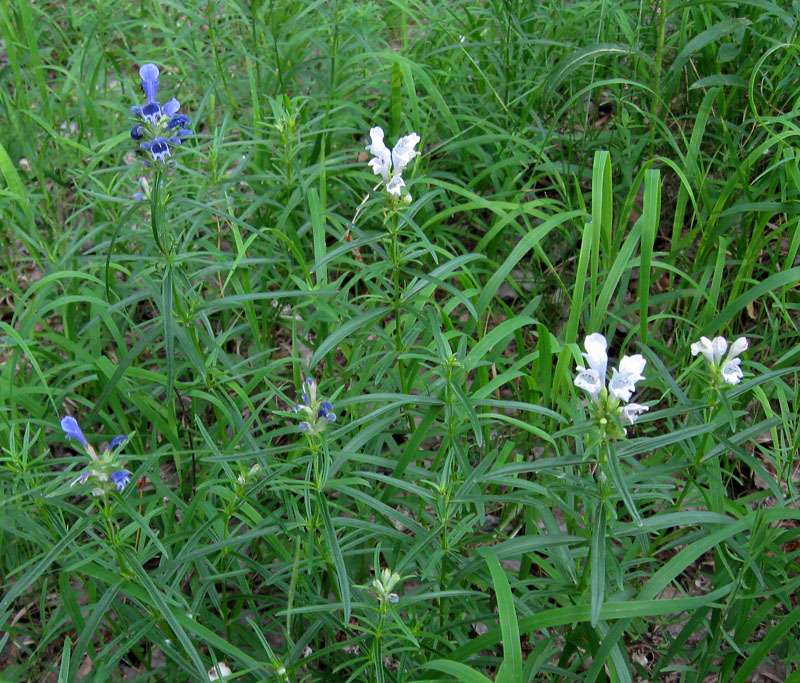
x=82, y=478
x=606, y=400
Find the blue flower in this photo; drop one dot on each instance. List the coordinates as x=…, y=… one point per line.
x=325, y=413
x=158, y=148
x=120, y=479
x=161, y=127
x=116, y=441
x=70, y=426
x=180, y=121
x=318, y=413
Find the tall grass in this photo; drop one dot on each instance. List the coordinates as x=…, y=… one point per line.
x=627, y=168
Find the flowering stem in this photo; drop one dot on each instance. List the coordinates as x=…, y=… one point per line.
x=690, y=478
x=377, y=650
x=398, y=335
x=111, y=532
x=157, y=222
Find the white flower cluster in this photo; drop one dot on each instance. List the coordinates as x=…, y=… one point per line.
x=713, y=351
x=390, y=164
x=623, y=380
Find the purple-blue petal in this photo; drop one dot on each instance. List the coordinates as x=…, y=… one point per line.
x=304, y=426
x=330, y=417
x=171, y=107
x=149, y=75
x=121, y=478
x=116, y=441
x=326, y=406
x=158, y=148
x=73, y=431
x=178, y=120
x=151, y=112
x=137, y=132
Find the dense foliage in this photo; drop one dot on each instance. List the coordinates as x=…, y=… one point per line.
x=350, y=443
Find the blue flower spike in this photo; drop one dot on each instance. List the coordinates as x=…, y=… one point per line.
x=104, y=472
x=160, y=128
x=318, y=414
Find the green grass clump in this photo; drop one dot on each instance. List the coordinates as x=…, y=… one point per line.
x=625, y=168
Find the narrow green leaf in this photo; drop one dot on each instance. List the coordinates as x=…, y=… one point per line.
x=710, y=35
x=511, y=668
x=336, y=552
x=461, y=672
x=361, y=322
x=597, y=559
x=651, y=216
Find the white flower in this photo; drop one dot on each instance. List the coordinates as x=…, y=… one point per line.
x=595, y=354
x=390, y=164
x=732, y=372
x=712, y=351
x=623, y=381
x=382, y=163
x=395, y=185
x=737, y=348
x=631, y=411
x=590, y=381
x=221, y=671
x=403, y=153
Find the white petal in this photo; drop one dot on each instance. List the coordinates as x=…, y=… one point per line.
x=704, y=346
x=403, y=152
x=621, y=385
x=596, y=345
x=395, y=185
x=732, y=372
x=382, y=163
x=222, y=670
x=633, y=365
x=720, y=346
x=631, y=411
x=737, y=347
x=589, y=381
